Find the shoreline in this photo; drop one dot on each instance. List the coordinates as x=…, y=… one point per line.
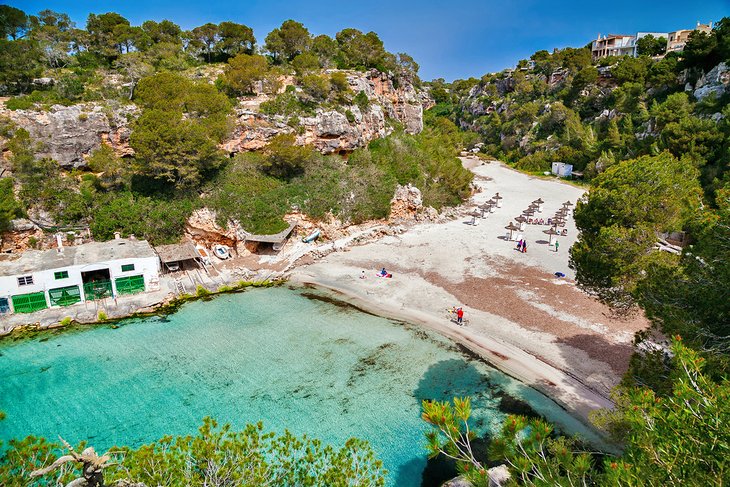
x=524, y=321
x=568, y=392
x=542, y=331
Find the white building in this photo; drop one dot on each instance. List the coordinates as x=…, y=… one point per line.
x=613, y=45
x=678, y=39
x=36, y=280
x=562, y=169
x=639, y=35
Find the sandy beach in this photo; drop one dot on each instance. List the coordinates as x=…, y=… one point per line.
x=538, y=328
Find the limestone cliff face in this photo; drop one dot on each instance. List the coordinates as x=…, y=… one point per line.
x=715, y=82
x=70, y=134
x=330, y=131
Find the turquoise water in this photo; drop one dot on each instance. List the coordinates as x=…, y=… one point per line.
x=282, y=356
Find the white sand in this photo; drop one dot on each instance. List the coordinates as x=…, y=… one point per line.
x=532, y=326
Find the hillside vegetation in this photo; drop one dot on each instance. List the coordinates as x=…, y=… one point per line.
x=652, y=137
x=564, y=107
x=185, y=85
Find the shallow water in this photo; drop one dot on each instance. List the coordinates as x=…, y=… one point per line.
x=281, y=356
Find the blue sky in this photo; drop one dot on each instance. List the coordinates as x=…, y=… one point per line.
x=449, y=39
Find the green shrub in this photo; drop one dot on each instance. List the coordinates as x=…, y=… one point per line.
x=157, y=220
x=286, y=104
x=350, y=116
x=66, y=321
x=201, y=291
x=362, y=100
x=102, y=316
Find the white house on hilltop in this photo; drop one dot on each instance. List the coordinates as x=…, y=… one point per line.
x=626, y=45
x=37, y=280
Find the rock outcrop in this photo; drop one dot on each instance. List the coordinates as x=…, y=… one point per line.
x=70, y=134
x=23, y=235
x=203, y=228
x=716, y=82
x=498, y=477
x=335, y=131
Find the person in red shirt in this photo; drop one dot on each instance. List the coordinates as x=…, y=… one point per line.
x=460, y=316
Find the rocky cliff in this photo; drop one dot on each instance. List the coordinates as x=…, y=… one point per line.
x=329, y=130
x=70, y=134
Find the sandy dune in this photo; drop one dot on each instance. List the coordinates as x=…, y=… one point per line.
x=538, y=328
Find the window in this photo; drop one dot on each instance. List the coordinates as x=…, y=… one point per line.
x=60, y=275
x=25, y=280
x=127, y=267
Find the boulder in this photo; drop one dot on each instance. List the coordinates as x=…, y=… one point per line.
x=498, y=476
x=406, y=204
x=716, y=82
x=22, y=225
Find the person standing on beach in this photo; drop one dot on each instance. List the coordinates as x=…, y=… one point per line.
x=524, y=246
x=460, y=316
x=362, y=276
x=557, y=245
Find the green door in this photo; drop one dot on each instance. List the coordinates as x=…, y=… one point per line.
x=64, y=296
x=97, y=290
x=130, y=285
x=28, y=303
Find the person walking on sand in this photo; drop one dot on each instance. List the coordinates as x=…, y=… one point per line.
x=362, y=275
x=460, y=316
x=524, y=246
x=557, y=246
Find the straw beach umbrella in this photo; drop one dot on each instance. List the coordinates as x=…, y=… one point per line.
x=551, y=232
x=492, y=205
x=498, y=199
x=484, y=209
x=538, y=202
x=521, y=220
x=512, y=229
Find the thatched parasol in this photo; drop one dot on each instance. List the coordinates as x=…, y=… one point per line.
x=551, y=232
x=521, y=220
x=512, y=228
x=498, y=199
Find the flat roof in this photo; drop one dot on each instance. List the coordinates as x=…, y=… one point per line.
x=275, y=238
x=88, y=253
x=177, y=252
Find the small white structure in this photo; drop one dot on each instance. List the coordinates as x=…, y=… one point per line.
x=562, y=169
x=64, y=276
